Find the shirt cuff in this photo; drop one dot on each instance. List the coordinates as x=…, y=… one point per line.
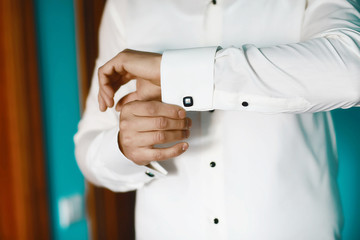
x=113, y=170
x=187, y=78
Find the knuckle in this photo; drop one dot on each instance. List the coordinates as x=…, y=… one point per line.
x=151, y=108
x=159, y=137
x=126, y=140
x=124, y=124
x=161, y=123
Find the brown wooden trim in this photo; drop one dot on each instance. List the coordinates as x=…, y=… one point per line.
x=24, y=204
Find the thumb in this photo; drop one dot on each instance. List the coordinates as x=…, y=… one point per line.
x=127, y=98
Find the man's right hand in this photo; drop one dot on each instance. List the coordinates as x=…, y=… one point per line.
x=125, y=66
x=144, y=124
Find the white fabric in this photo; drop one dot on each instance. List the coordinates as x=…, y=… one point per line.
x=193, y=76
x=275, y=173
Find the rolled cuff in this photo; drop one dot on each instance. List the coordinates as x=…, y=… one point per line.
x=187, y=78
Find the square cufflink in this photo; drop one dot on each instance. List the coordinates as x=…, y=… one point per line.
x=188, y=101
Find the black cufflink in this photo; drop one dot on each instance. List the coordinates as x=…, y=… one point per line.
x=150, y=174
x=188, y=101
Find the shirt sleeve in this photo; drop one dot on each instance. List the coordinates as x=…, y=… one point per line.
x=187, y=75
x=319, y=73
x=96, y=142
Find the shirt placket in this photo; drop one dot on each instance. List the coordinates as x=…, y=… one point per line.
x=211, y=158
x=213, y=176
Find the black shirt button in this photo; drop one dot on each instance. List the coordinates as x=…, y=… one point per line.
x=150, y=174
x=245, y=104
x=212, y=164
x=216, y=221
x=214, y=2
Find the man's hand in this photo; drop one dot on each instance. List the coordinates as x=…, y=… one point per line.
x=145, y=91
x=125, y=66
x=144, y=124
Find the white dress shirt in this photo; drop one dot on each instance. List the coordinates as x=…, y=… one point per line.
x=263, y=165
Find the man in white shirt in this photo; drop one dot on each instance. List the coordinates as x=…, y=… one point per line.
x=263, y=165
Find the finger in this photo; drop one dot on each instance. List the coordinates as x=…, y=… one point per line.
x=116, y=64
x=113, y=74
x=161, y=154
x=107, y=94
x=102, y=105
x=111, y=67
x=145, y=155
x=145, y=139
x=105, y=99
x=143, y=124
x=109, y=101
x=104, y=96
x=127, y=98
x=154, y=109
x=110, y=79
x=108, y=90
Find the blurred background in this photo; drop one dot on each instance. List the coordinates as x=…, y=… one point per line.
x=47, y=54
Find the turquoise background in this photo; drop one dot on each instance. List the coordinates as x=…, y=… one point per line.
x=347, y=127
x=60, y=101
x=55, y=25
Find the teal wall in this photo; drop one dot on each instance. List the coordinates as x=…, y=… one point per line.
x=60, y=101
x=347, y=126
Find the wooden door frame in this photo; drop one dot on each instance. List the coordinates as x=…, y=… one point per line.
x=24, y=208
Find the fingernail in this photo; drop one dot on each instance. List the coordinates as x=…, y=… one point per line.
x=182, y=113
x=185, y=146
